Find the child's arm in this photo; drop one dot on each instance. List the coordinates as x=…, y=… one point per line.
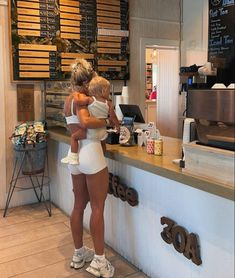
x=113, y=117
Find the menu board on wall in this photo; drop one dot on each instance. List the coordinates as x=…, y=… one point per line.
x=48, y=35
x=221, y=43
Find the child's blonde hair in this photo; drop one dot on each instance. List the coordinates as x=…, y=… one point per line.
x=97, y=85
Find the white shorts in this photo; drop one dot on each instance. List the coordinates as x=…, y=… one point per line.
x=91, y=158
x=97, y=133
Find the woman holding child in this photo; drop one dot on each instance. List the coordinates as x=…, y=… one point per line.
x=89, y=173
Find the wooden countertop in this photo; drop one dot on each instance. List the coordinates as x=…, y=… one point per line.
x=160, y=165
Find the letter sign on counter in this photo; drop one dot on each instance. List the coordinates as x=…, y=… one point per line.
x=182, y=241
x=121, y=191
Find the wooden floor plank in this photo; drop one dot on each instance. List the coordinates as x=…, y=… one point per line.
x=33, y=245
x=33, y=224
x=62, y=269
x=24, y=215
x=33, y=235
x=36, y=261
x=57, y=270
x=122, y=268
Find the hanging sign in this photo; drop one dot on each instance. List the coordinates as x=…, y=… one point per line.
x=221, y=39
x=69, y=27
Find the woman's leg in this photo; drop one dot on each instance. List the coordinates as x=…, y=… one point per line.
x=81, y=198
x=98, y=189
x=97, y=185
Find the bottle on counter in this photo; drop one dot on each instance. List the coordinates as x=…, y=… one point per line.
x=158, y=146
x=150, y=146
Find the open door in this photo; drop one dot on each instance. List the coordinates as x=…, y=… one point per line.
x=167, y=95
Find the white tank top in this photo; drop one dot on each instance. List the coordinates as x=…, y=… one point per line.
x=73, y=119
x=99, y=109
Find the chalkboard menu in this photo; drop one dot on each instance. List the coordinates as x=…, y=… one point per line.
x=221, y=42
x=48, y=35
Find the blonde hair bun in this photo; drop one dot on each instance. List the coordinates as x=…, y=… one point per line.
x=81, y=74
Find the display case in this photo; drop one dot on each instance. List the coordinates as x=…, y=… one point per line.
x=55, y=94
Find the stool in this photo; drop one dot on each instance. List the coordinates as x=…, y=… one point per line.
x=31, y=163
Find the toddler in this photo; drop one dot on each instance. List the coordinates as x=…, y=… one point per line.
x=99, y=106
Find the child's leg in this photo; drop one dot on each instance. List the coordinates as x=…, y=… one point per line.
x=72, y=157
x=74, y=143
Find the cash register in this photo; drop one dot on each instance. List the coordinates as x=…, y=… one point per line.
x=131, y=116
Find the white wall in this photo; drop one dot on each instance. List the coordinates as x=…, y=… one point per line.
x=8, y=115
x=135, y=231
x=150, y=21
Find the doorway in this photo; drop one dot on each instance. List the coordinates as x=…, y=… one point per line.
x=165, y=75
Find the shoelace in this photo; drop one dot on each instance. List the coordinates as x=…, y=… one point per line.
x=80, y=257
x=108, y=265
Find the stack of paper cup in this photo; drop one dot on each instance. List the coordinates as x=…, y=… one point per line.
x=118, y=100
x=125, y=91
x=125, y=95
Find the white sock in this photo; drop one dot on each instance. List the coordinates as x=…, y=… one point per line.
x=100, y=257
x=73, y=155
x=79, y=251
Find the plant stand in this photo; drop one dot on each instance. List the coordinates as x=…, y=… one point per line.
x=31, y=163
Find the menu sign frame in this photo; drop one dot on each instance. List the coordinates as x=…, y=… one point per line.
x=221, y=33
x=43, y=32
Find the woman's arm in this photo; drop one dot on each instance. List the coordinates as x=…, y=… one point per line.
x=113, y=117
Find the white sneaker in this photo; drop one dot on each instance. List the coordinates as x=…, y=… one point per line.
x=101, y=268
x=79, y=261
x=70, y=159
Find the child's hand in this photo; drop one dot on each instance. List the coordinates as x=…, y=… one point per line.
x=117, y=128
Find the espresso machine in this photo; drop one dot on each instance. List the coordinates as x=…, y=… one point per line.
x=213, y=112
x=211, y=155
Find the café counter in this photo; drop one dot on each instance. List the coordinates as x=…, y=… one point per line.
x=160, y=165
x=198, y=206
